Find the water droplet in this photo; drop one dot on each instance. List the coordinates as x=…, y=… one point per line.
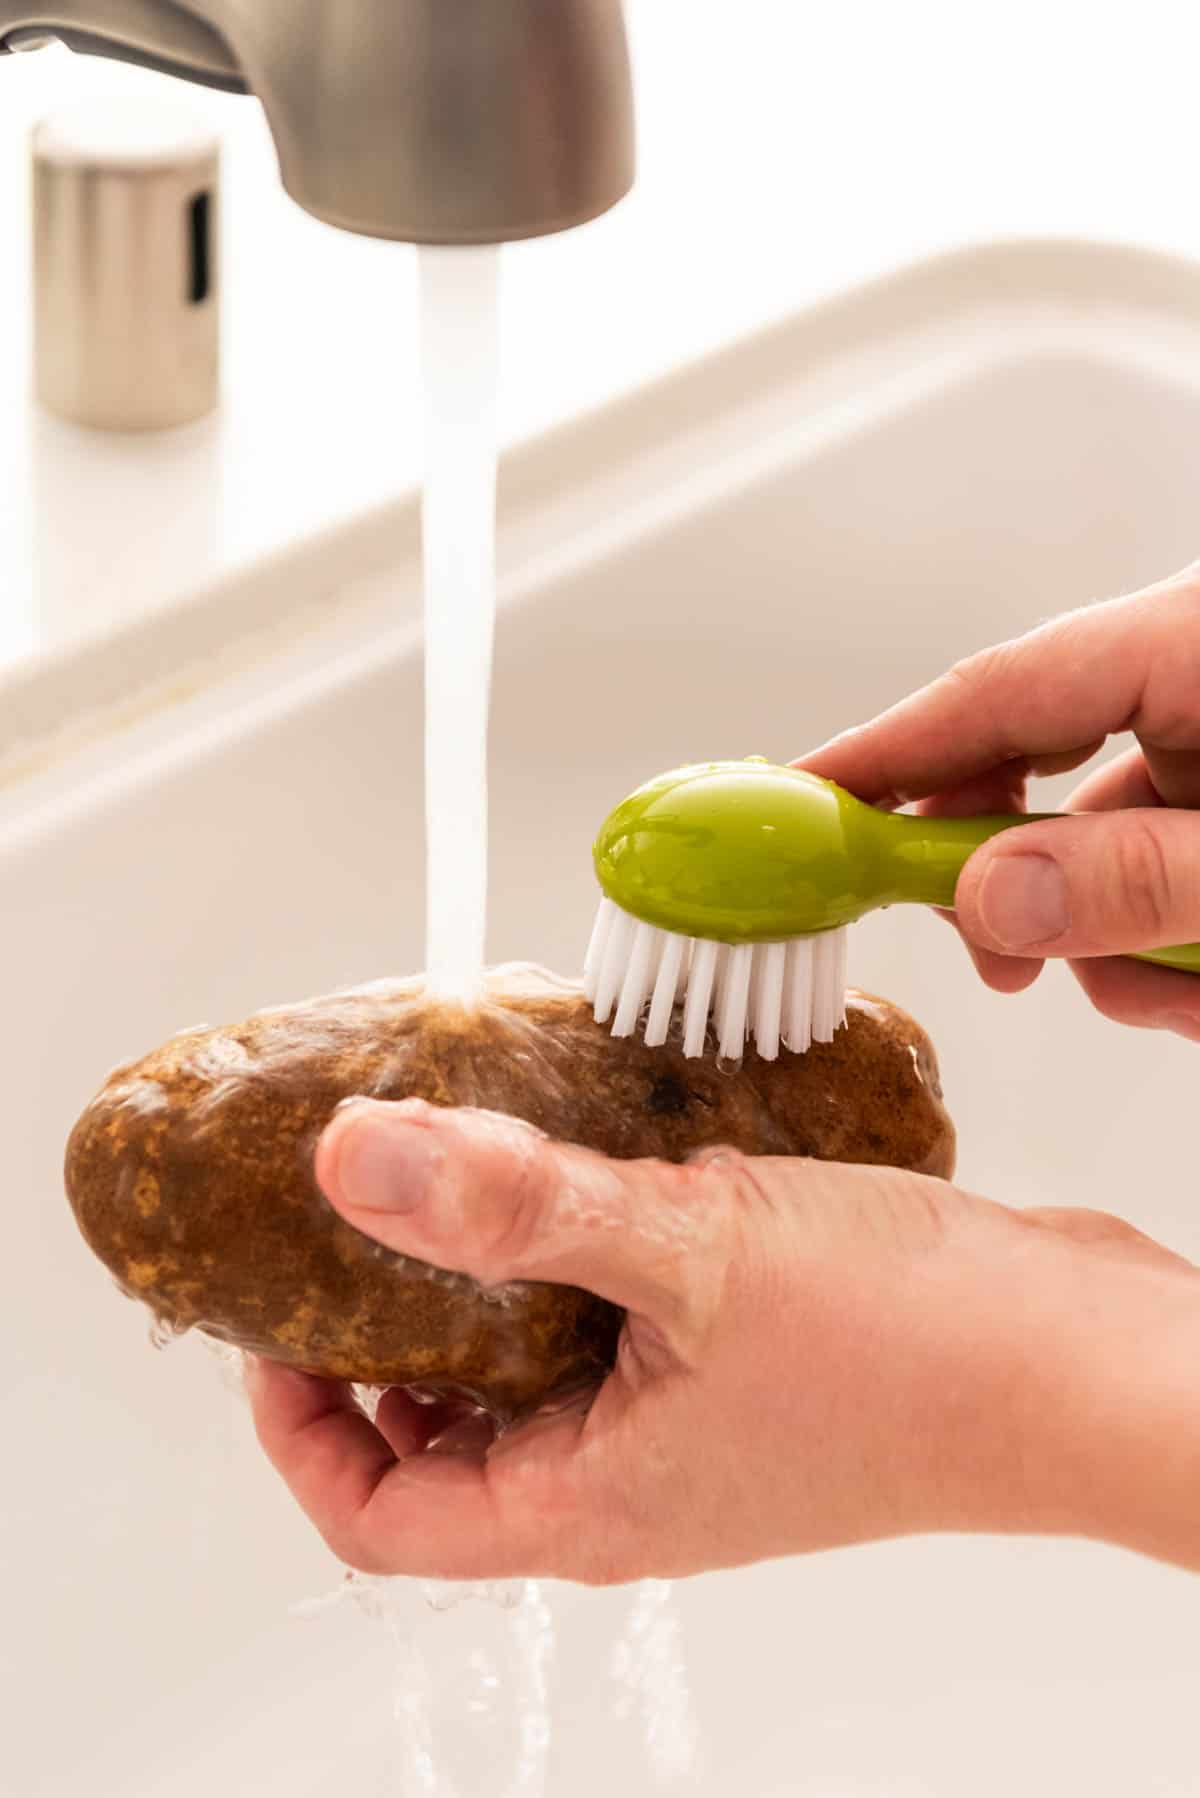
x=448, y=1595
x=729, y=1064
x=162, y=1334
x=368, y=1398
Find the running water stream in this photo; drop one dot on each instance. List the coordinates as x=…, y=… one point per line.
x=473, y=1707
x=460, y=357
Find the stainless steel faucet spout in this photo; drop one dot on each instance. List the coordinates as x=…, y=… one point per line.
x=432, y=121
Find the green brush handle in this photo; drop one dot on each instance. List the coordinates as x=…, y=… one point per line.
x=745, y=852
x=927, y=855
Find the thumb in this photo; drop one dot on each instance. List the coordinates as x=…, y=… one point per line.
x=1102, y=884
x=489, y=1196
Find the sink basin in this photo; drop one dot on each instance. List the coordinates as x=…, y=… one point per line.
x=762, y=550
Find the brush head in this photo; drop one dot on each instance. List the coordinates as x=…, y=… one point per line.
x=726, y=889
x=740, y=852
x=787, y=993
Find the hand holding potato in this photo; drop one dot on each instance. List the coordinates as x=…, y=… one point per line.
x=813, y=1355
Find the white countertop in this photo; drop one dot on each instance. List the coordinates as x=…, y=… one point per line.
x=787, y=151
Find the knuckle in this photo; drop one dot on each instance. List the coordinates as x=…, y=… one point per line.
x=980, y=686
x=349, y=1546
x=1115, y=1007
x=512, y=1208
x=728, y=1180
x=1115, y=999
x=971, y=677
x=755, y=1208
x=732, y=1197
x=1082, y=1222
x=1167, y=714
x=977, y=676
x=1177, y=597
x=1139, y=879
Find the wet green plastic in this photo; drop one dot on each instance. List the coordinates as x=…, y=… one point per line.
x=748, y=852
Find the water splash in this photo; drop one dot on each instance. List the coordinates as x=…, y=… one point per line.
x=649, y=1669
x=457, y=1695
x=413, y=1709
x=472, y=1697
x=231, y=1365
x=448, y=1595
x=163, y=1335
x=534, y=1643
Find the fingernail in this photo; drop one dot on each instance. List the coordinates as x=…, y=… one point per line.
x=353, y=1102
x=1023, y=901
x=381, y=1158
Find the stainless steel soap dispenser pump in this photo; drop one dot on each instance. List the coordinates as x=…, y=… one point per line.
x=126, y=288
x=430, y=121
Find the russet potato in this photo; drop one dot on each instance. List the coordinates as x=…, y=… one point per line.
x=191, y=1173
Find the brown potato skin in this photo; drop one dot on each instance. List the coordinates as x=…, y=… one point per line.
x=191, y=1173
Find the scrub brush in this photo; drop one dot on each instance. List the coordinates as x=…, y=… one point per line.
x=729, y=885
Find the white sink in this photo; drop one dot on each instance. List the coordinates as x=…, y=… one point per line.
x=765, y=549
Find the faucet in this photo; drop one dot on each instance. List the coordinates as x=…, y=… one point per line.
x=430, y=121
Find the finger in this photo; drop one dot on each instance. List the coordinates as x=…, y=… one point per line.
x=409, y=1425
x=1009, y=974
x=431, y=1516
x=1003, y=973
x=1045, y=767
x=1129, y=664
x=315, y=1436
x=1139, y=994
x=999, y=790
x=1100, y=1229
x=490, y=1197
x=472, y=1434
x=1124, y=784
x=1081, y=886
x=1003, y=787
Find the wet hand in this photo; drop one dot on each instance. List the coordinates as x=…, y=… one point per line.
x=1125, y=874
x=813, y=1355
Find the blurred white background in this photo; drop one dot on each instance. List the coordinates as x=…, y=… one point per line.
x=788, y=149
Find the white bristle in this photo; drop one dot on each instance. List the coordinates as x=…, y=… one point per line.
x=735, y=1002
x=797, y=1017
x=768, y=1004
x=614, y=963
x=699, y=997
x=638, y=979
x=758, y=990
x=724, y=959
x=595, y=954
x=791, y=993
x=829, y=985
x=666, y=988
